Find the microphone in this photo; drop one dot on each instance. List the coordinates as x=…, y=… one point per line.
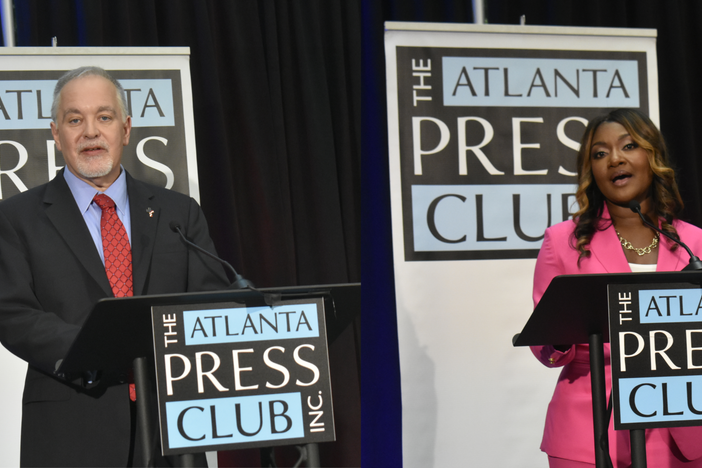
x=239, y=281
x=695, y=263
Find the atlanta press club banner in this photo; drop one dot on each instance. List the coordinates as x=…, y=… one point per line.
x=161, y=149
x=484, y=127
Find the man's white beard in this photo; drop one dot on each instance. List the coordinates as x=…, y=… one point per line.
x=94, y=167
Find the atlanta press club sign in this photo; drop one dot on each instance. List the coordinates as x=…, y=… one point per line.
x=656, y=346
x=239, y=376
x=488, y=140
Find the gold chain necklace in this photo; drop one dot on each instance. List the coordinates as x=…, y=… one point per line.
x=642, y=251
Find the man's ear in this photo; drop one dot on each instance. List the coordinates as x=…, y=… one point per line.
x=127, y=130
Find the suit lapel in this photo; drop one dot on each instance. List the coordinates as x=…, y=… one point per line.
x=669, y=260
x=61, y=209
x=607, y=249
x=145, y=218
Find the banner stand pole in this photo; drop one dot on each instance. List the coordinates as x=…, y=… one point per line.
x=599, y=399
x=312, y=455
x=143, y=403
x=638, y=448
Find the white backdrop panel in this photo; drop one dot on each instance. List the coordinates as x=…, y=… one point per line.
x=469, y=398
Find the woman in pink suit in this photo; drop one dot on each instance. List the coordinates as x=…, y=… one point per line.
x=622, y=158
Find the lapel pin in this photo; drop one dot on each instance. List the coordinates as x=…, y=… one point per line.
x=150, y=211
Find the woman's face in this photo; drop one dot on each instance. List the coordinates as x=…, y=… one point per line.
x=619, y=166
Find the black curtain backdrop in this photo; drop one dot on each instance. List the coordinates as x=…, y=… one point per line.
x=679, y=49
x=277, y=103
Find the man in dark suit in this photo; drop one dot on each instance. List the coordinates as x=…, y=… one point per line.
x=53, y=271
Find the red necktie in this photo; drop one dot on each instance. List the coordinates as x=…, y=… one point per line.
x=118, y=254
x=115, y=245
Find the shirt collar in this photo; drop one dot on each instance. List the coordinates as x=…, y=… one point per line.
x=84, y=193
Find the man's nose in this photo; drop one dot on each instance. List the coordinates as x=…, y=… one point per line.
x=90, y=130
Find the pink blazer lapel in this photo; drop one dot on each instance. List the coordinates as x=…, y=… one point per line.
x=607, y=250
x=670, y=261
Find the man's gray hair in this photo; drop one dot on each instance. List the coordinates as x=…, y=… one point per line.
x=87, y=71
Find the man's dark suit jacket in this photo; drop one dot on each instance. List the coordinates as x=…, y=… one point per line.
x=51, y=276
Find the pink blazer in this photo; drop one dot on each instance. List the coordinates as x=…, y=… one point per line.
x=568, y=432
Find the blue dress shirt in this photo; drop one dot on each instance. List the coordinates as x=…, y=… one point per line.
x=83, y=193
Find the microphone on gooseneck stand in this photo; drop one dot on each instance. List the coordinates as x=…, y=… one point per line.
x=239, y=281
x=695, y=263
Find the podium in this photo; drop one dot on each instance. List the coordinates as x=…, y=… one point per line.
x=574, y=309
x=118, y=337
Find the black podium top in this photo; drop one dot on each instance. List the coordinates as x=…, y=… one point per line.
x=575, y=306
x=118, y=330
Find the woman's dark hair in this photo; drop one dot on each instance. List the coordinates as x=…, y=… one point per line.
x=667, y=203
